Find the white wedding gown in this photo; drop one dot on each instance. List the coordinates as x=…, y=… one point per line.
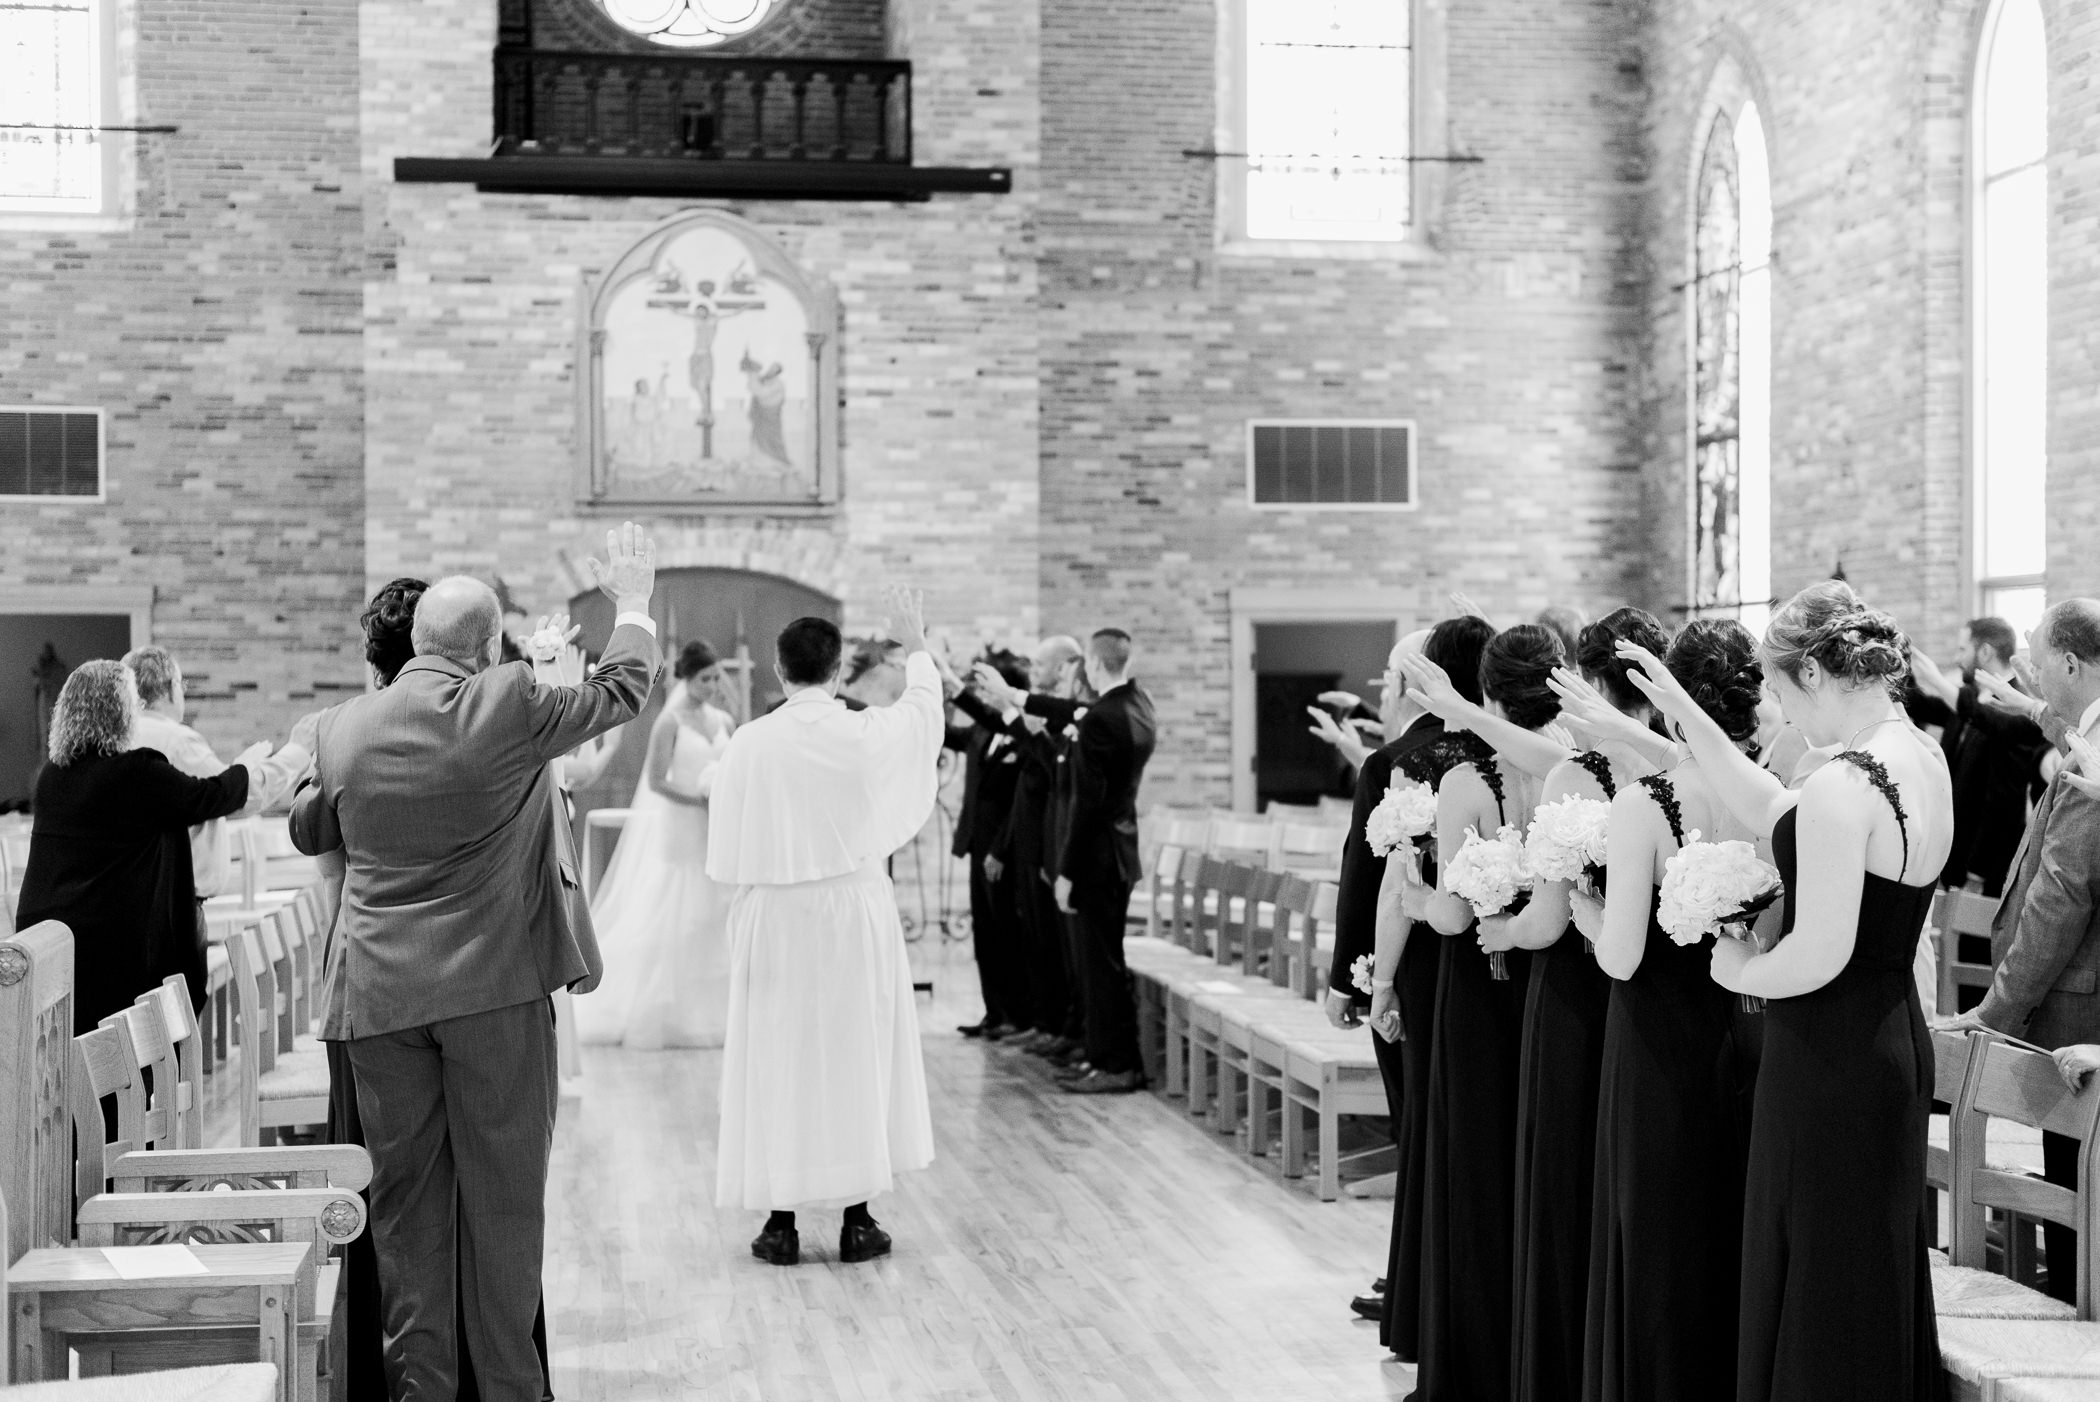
x=662, y=923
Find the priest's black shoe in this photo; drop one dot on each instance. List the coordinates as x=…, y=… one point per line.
x=781, y=1246
x=857, y=1244
x=1368, y=1306
x=975, y=1029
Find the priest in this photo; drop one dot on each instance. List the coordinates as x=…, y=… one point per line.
x=823, y=1091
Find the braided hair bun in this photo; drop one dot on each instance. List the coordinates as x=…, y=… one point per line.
x=1828, y=624
x=1715, y=659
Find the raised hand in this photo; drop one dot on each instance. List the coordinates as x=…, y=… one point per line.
x=2001, y=695
x=571, y=667
x=908, y=617
x=549, y=636
x=627, y=575
x=1430, y=687
x=995, y=687
x=254, y=755
x=1343, y=701
x=1467, y=608
x=1655, y=682
x=1351, y=745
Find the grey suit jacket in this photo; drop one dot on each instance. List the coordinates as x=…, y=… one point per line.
x=2046, y=934
x=461, y=892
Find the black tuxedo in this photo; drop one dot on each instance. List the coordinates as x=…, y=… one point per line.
x=1994, y=760
x=991, y=768
x=1098, y=854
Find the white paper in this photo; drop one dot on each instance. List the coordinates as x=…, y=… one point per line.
x=142, y=1262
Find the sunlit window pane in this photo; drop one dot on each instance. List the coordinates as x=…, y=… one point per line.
x=2015, y=285
x=2016, y=89
x=50, y=103
x=1328, y=119
x=2019, y=605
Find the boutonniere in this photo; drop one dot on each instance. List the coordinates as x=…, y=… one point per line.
x=1071, y=732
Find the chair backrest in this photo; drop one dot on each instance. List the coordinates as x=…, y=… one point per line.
x=254, y=1001
x=2007, y=1082
x=1257, y=938
x=179, y=1023
x=1314, y=845
x=292, y=933
x=283, y=1008
x=1241, y=836
x=247, y=851
x=1294, y=954
x=1165, y=884
x=1955, y=914
x=1950, y=1065
x=105, y=1067
x=1235, y=907
x=153, y=1057
x=36, y=1055
x=1338, y=810
x=1208, y=905
x=1291, y=812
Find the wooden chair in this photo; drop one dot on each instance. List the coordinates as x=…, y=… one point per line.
x=1291, y=812
x=1204, y=1021
x=1239, y=837
x=1312, y=849
x=1950, y=1071
x=36, y=1048
x=1954, y=915
x=1161, y=964
x=1338, y=810
x=278, y=1088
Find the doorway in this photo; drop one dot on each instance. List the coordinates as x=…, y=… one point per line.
x=38, y=651
x=736, y=612
x=1289, y=646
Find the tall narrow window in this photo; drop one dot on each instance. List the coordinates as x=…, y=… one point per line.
x=1329, y=91
x=1731, y=295
x=2009, y=540
x=54, y=157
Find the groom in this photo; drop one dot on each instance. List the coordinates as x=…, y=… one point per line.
x=456, y=924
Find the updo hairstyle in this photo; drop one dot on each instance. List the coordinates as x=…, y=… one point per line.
x=1455, y=645
x=1513, y=671
x=389, y=624
x=1828, y=624
x=1715, y=659
x=1597, y=653
x=694, y=658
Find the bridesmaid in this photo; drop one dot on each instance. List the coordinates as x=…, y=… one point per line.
x=1836, y=1292
x=1563, y=1049
x=1666, y=1227
x=1404, y=991
x=1469, y=1188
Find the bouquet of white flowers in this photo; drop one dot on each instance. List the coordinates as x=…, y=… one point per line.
x=1361, y=972
x=1710, y=886
x=1407, y=812
x=1566, y=842
x=1488, y=873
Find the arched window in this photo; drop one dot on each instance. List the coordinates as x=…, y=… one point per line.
x=2009, y=536
x=1731, y=294
x=689, y=24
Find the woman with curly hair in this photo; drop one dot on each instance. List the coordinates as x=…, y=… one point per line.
x=1836, y=1290
x=109, y=853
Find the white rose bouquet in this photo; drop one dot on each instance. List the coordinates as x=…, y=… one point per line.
x=1566, y=842
x=1361, y=973
x=1715, y=888
x=1407, y=812
x=1489, y=874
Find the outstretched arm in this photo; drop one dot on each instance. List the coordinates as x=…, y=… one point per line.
x=1530, y=751
x=1756, y=796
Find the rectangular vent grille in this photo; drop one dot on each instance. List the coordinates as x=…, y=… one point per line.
x=1346, y=464
x=51, y=453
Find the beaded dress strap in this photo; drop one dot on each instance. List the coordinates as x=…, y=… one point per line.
x=1664, y=793
x=1491, y=775
x=1599, y=769
x=1878, y=775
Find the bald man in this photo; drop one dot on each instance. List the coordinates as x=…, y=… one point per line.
x=456, y=925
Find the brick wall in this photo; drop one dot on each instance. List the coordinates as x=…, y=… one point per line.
x=2074, y=310
x=221, y=333
x=1510, y=344
x=471, y=326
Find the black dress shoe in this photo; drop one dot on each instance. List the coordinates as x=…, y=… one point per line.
x=1369, y=1306
x=857, y=1244
x=782, y=1247
x=1000, y=1032
x=1105, y=1083
x=975, y=1029
x=1077, y=1071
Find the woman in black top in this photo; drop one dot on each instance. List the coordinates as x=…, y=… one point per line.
x=109, y=852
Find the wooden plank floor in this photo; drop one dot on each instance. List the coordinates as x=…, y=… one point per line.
x=1058, y=1248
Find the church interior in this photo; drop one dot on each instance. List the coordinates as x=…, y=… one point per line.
x=1268, y=332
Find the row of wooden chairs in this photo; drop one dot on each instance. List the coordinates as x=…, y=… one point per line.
x=1994, y=1327
x=129, y=1094
x=1230, y=979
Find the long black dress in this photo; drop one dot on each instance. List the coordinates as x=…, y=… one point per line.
x=1666, y=1230
x=1469, y=1186
x=1837, y=1295
x=1416, y=984
x=1562, y=1059
x=109, y=855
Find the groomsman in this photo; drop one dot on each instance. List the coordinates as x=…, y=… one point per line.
x=2046, y=935
x=1099, y=863
x=991, y=772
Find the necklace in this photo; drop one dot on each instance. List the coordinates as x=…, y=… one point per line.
x=1867, y=727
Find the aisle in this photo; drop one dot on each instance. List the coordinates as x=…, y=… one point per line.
x=1060, y=1247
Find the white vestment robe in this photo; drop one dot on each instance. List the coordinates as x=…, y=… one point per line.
x=823, y=1089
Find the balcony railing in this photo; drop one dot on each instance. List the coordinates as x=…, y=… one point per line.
x=661, y=106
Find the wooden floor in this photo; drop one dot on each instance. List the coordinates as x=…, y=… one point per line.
x=1059, y=1247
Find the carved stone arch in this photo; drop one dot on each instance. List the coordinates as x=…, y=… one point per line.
x=1733, y=78
x=673, y=301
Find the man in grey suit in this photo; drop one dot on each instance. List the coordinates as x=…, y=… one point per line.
x=2045, y=937
x=457, y=922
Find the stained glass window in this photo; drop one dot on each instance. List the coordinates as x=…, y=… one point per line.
x=1731, y=295
x=51, y=154
x=689, y=24
x=1329, y=93
x=2010, y=538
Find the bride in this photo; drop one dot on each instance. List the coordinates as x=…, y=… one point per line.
x=661, y=923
